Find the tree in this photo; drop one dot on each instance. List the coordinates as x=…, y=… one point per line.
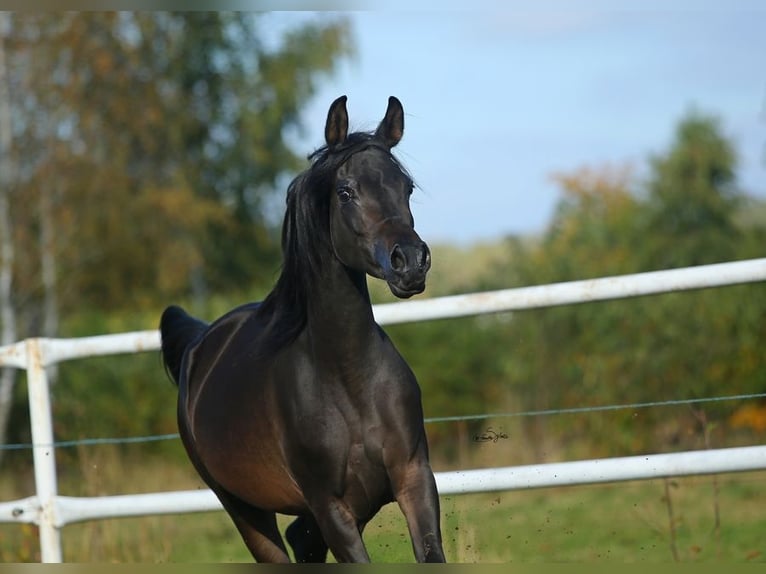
x=147, y=145
x=575, y=355
x=164, y=132
x=693, y=197
x=7, y=251
x=671, y=346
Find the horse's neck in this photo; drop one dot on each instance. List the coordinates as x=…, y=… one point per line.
x=340, y=313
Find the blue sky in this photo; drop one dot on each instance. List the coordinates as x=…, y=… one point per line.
x=497, y=101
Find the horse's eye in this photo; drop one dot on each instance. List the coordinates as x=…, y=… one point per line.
x=344, y=195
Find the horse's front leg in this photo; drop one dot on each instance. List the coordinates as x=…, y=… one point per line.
x=415, y=492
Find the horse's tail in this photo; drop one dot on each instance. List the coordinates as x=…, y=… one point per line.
x=178, y=330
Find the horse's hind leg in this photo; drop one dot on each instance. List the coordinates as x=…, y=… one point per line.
x=306, y=540
x=257, y=527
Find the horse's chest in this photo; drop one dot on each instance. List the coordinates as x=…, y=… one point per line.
x=366, y=485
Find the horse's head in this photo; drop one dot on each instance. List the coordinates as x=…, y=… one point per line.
x=371, y=225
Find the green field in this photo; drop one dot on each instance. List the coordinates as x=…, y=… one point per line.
x=624, y=522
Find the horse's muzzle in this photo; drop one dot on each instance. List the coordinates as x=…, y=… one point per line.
x=406, y=268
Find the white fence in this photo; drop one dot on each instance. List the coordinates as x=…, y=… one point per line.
x=51, y=512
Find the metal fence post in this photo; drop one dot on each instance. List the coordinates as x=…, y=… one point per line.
x=43, y=451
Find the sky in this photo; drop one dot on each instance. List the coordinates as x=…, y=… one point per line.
x=496, y=101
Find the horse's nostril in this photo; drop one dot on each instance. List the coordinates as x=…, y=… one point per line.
x=398, y=260
x=410, y=258
x=425, y=258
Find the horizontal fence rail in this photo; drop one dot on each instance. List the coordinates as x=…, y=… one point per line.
x=51, y=511
x=452, y=306
x=569, y=292
x=69, y=509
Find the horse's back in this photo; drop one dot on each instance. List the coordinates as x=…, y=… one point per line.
x=218, y=338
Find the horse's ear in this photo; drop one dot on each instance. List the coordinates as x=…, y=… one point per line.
x=391, y=129
x=336, y=128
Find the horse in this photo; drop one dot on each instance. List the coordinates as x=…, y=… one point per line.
x=300, y=404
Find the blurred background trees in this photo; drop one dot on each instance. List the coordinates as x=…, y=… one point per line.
x=144, y=148
x=151, y=146
x=154, y=140
x=687, y=345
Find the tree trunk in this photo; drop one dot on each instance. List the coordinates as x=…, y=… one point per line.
x=48, y=269
x=7, y=310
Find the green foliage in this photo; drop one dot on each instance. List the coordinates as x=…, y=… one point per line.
x=456, y=362
x=688, y=345
x=158, y=137
x=693, y=197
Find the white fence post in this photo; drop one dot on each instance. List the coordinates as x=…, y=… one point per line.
x=43, y=451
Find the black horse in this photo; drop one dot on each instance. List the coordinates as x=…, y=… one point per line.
x=301, y=404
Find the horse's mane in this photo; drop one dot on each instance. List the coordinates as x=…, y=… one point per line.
x=306, y=236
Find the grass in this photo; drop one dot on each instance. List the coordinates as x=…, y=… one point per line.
x=624, y=522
